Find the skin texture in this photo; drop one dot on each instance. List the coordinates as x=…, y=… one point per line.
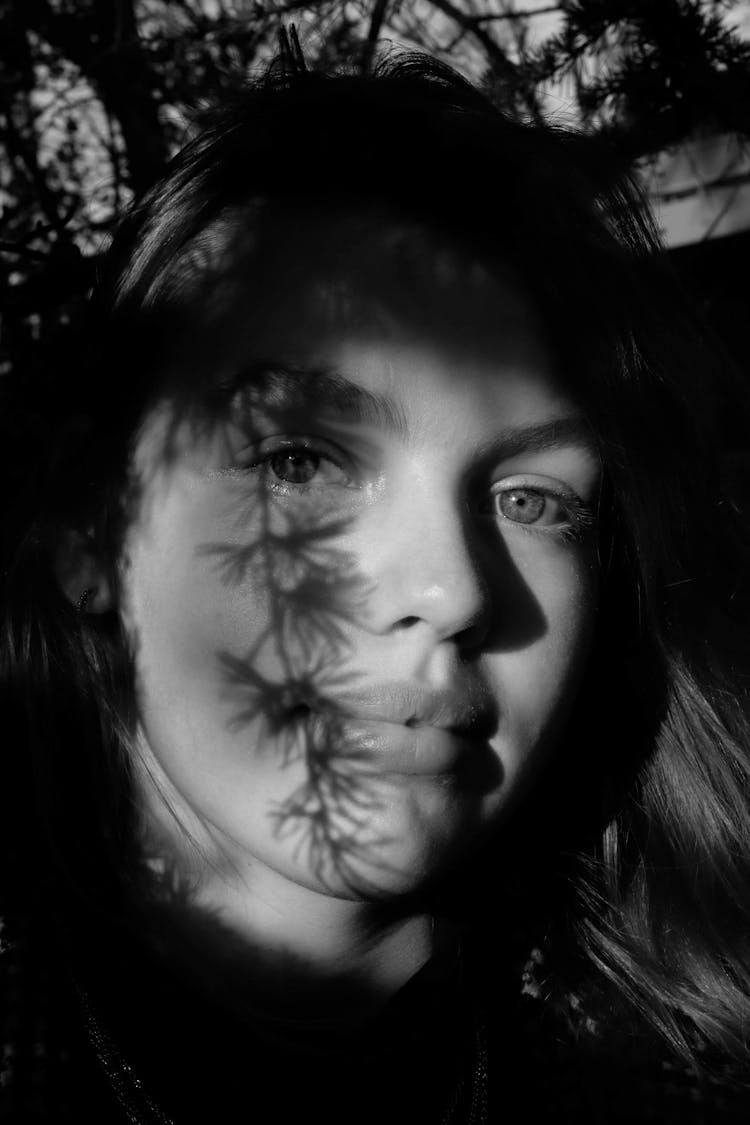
x=295, y=575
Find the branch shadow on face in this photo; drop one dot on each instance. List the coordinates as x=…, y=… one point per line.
x=284, y=686
x=313, y=593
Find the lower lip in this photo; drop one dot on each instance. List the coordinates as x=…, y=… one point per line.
x=395, y=748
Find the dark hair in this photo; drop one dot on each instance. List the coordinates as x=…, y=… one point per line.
x=646, y=807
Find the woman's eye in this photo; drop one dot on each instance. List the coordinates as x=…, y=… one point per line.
x=528, y=506
x=293, y=466
x=301, y=466
x=541, y=509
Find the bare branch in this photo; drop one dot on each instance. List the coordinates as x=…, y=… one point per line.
x=672, y=196
x=523, y=14
x=23, y=251
x=25, y=152
x=119, y=71
x=376, y=22
x=290, y=6
x=494, y=52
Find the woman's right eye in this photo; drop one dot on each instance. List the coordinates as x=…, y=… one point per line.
x=298, y=467
x=294, y=466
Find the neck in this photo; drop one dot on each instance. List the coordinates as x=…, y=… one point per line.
x=333, y=938
x=265, y=938
x=296, y=953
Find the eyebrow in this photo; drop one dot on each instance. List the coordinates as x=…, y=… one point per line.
x=539, y=437
x=286, y=387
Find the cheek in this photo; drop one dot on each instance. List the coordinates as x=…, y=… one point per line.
x=226, y=624
x=204, y=580
x=183, y=616
x=537, y=683
x=207, y=664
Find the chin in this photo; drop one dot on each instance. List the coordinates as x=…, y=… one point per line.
x=401, y=855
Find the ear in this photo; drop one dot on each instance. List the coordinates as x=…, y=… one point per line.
x=81, y=573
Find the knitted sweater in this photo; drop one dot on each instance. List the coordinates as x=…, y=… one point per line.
x=114, y=1035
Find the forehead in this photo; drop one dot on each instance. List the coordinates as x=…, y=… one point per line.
x=415, y=320
x=260, y=281
x=371, y=275
x=406, y=380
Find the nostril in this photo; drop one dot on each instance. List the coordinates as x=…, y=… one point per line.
x=407, y=622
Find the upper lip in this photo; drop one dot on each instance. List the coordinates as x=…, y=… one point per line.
x=469, y=712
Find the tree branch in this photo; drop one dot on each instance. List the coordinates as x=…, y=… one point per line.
x=523, y=14
x=376, y=22
x=494, y=52
x=25, y=153
x=23, y=251
x=673, y=195
x=107, y=49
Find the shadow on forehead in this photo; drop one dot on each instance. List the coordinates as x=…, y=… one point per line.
x=253, y=289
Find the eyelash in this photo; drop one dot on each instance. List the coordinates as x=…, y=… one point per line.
x=322, y=450
x=579, y=516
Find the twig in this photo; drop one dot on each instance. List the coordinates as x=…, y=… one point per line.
x=493, y=50
x=283, y=9
x=523, y=14
x=736, y=180
x=23, y=151
x=22, y=251
x=376, y=22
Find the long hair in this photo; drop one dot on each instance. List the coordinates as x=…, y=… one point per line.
x=646, y=804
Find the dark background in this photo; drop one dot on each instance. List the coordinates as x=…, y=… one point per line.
x=95, y=95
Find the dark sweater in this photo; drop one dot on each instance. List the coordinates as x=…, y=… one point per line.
x=111, y=1033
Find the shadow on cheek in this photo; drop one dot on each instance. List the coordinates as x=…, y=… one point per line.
x=313, y=596
x=517, y=620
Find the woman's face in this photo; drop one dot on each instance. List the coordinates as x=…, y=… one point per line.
x=360, y=602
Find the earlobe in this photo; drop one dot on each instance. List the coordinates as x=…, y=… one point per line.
x=81, y=573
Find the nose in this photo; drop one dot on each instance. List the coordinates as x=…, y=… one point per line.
x=426, y=568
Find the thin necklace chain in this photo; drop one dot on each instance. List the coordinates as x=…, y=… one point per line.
x=477, y=1114
x=141, y=1109
x=122, y=1078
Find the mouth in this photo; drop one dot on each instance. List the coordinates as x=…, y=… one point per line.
x=469, y=714
x=387, y=747
x=409, y=729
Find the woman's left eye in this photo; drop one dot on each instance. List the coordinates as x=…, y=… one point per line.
x=528, y=506
x=539, y=508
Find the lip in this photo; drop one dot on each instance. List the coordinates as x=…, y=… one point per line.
x=388, y=747
x=469, y=712
x=410, y=729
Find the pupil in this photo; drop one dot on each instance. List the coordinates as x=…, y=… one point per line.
x=523, y=507
x=295, y=468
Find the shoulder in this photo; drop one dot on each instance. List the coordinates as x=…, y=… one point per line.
x=548, y=1056
x=555, y=1075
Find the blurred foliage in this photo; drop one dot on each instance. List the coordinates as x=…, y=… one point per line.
x=97, y=94
x=651, y=75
